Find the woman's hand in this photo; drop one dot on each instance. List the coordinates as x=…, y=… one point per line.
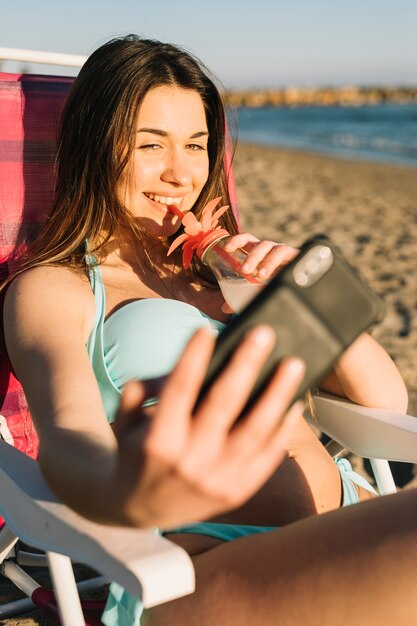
x=184, y=465
x=265, y=257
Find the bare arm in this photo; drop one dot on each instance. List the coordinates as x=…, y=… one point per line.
x=365, y=373
x=177, y=467
x=47, y=312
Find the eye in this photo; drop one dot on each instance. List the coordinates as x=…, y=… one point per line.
x=196, y=147
x=149, y=147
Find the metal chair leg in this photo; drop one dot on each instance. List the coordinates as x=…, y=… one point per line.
x=383, y=476
x=65, y=589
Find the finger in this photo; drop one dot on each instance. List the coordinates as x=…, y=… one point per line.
x=240, y=475
x=228, y=395
x=154, y=386
x=133, y=395
x=279, y=256
x=267, y=415
x=172, y=418
x=240, y=241
x=256, y=255
x=224, y=401
x=227, y=309
x=256, y=470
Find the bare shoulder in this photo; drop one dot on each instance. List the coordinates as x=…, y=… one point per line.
x=48, y=277
x=48, y=294
x=48, y=316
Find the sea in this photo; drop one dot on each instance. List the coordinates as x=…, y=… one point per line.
x=383, y=132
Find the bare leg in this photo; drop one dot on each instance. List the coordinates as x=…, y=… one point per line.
x=354, y=565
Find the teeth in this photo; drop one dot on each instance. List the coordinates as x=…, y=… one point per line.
x=163, y=199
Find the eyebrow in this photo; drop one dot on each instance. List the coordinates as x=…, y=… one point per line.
x=163, y=133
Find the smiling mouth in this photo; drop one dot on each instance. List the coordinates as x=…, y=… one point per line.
x=166, y=200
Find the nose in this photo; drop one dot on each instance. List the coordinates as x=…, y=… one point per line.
x=177, y=169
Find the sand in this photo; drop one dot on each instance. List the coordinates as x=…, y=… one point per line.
x=368, y=209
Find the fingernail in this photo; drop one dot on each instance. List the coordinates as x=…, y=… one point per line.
x=246, y=268
x=263, y=336
x=262, y=271
x=296, y=366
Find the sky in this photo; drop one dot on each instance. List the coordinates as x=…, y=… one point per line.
x=246, y=43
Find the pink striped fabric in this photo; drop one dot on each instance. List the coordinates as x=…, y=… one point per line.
x=231, y=185
x=29, y=110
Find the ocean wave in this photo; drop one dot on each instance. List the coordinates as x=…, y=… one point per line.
x=377, y=133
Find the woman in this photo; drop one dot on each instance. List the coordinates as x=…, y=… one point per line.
x=144, y=129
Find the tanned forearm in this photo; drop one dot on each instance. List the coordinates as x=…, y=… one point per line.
x=81, y=469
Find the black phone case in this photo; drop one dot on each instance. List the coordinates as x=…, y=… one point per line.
x=317, y=306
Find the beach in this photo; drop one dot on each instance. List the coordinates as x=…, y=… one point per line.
x=368, y=209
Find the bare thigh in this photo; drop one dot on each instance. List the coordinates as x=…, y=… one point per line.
x=354, y=565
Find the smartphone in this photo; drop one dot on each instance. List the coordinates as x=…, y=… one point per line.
x=317, y=305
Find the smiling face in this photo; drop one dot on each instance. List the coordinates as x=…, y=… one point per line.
x=170, y=164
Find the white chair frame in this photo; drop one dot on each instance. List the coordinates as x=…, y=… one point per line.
x=146, y=564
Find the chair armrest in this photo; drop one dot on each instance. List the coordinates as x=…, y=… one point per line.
x=367, y=432
x=146, y=564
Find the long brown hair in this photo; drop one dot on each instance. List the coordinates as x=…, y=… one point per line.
x=97, y=137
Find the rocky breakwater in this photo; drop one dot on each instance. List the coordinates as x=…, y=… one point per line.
x=322, y=96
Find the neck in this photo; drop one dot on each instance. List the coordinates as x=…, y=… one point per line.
x=140, y=253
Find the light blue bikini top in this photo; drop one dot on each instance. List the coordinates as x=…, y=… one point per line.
x=141, y=340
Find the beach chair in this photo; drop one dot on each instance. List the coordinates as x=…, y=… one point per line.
x=146, y=564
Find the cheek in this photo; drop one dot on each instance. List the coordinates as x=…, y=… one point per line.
x=202, y=173
x=145, y=172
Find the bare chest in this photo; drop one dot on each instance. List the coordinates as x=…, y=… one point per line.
x=122, y=287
